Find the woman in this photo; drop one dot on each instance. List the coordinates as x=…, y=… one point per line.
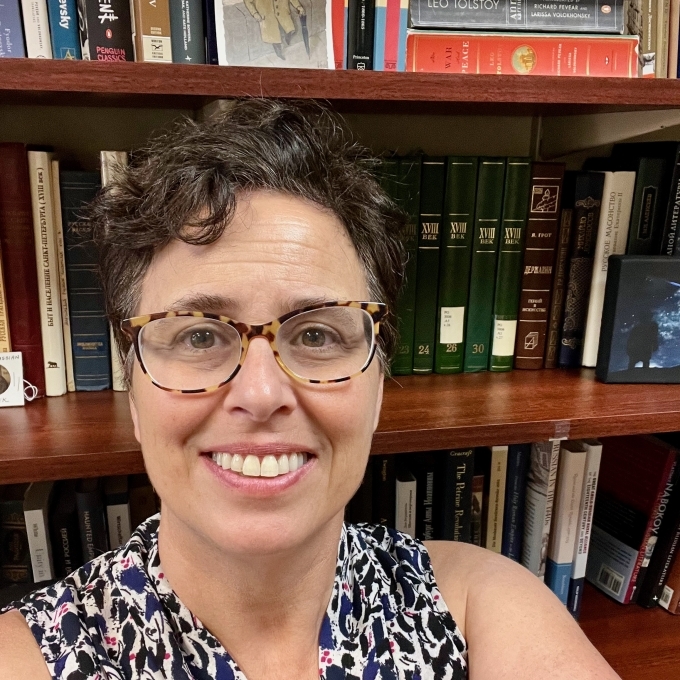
x=256, y=437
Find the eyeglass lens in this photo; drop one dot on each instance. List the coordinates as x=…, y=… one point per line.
x=191, y=353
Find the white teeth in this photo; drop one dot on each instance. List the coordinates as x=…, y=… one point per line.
x=226, y=461
x=237, y=462
x=251, y=466
x=293, y=462
x=302, y=459
x=283, y=464
x=269, y=467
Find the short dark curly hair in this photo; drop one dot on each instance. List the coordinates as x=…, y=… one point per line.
x=185, y=185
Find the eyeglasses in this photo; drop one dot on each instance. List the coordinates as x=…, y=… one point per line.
x=191, y=352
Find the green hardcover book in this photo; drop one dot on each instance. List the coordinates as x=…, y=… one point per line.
x=427, y=279
x=408, y=188
x=454, y=262
x=488, y=212
x=509, y=268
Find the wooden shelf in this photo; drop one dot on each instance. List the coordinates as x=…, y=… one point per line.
x=90, y=434
x=82, y=83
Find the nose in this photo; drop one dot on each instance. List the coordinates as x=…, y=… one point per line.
x=260, y=390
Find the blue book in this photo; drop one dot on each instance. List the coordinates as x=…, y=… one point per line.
x=379, y=38
x=89, y=327
x=519, y=456
x=11, y=33
x=64, y=29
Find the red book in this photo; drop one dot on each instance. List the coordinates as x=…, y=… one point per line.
x=18, y=262
x=392, y=34
x=339, y=27
x=533, y=54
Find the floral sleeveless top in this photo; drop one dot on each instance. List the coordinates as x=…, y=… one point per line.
x=117, y=617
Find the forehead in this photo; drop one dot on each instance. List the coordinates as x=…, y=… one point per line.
x=276, y=252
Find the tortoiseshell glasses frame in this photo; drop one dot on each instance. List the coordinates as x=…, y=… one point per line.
x=133, y=326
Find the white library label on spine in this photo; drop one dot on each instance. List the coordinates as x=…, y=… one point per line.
x=39, y=545
x=504, y=332
x=451, y=325
x=36, y=29
x=612, y=237
x=52, y=332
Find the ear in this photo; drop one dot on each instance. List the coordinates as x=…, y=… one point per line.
x=378, y=401
x=135, y=415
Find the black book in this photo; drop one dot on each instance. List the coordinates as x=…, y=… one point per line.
x=384, y=489
x=456, y=522
x=66, y=548
x=427, y=468
x=91, y=518
x=360, y=508
x=105, y=28
x=210, y=26
x=360, y=29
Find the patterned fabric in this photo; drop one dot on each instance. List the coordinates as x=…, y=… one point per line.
x=117, y=617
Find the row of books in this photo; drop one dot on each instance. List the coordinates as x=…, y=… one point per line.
x=508, y=258
x=51, y=298
x=608, y=511
x=49, y=529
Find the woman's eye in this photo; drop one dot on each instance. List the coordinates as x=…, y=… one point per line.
x=202, y=339
x=313, y=337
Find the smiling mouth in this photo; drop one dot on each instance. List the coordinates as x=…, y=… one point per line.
x=266, y=466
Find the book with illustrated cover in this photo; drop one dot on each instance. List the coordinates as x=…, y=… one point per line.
x=105, y=30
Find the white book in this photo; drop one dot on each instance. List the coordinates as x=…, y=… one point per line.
x=539, y=504
x=406, y=504
x=612, y=237
x=36, y=511
x=117, y=497
x=63, y=286
x=110, y=161
x=497, y=476
x=565, y=518
x=36, y=29
x=51, y=328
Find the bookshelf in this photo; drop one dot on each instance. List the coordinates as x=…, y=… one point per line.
x=91, y=434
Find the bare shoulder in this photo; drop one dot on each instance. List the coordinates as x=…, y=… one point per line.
x=514, y=625
x=20, y=656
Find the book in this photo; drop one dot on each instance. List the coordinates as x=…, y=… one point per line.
x=15, y=558
x=186, y=31
x=63, y=17
x=391, y=21
x=477, y=501
x=509, y=267
x=539, y=505
x=46, y=255
x=64, y=530
x=210, y=26
x=143, y=500
x=591, y=16
x=11, y=30
x=640, y=335
x=5, y=338
x=360, y=508
x=612, y=233
x=384, y=490
x=117, y=500
x=539, y=260
x=566, y=517
x=454, y=262
x=18, y=262
x=456, y=518
x=634, y=474
x=405, y=502
x=519, y=456
x=557, y=299
x=670, y=597
x=36, y=29
x=105, y=30
x=339, y=13
x=89, y=327
x=662, y=30
x=585, y=524
x=485, y=240
x=586, y=221
x=151, y=30
x=36, y=511
x=669, y=235
x=496, y=496
x=433, y=176
x=529, y=54
x=427, y=468
x=292, y=34
x=641, y=23
x=360, y=34
x=673, y=38
x=91, y=519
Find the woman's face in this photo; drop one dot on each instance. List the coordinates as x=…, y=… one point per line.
x=276, y=255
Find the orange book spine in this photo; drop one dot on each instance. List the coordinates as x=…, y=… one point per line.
x=525, y=54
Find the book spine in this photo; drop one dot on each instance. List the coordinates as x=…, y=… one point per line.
x=508, y=15
x=673, y=37
x=36, y=29
x=186, y=28
x=339, y=24
x=65, y=536
x=5, y=338
x=539, y=261
x=643, y=233
x=485, y=240
x=617, y=200
x=587, y=205
x=19, y=265
x=360, y=35
x=519, y=456
x=93, y=537
x=106, y=30
x=663, y=8
x=670, y=231
x=403, y=31
x=477, y=508
x=454, y=262
x=151, y=29
x=405, y=510
x=409, y=200
x=39, y=545
x=12, y=38
x=585, y=525
x=494, y=526
x=456, y=523
x=211, y=51
x=384, y=490
x=533, y=54
x=670, y=597
x=392, y=30
x=360, y=508
x=40, y=172
x=566, y=516
x=379, y=35
x=641, y=23
x=509, y=270
x=118, y=521
x=429, y=239
x=539, y=504
x=15, y=557
x=64, y=28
